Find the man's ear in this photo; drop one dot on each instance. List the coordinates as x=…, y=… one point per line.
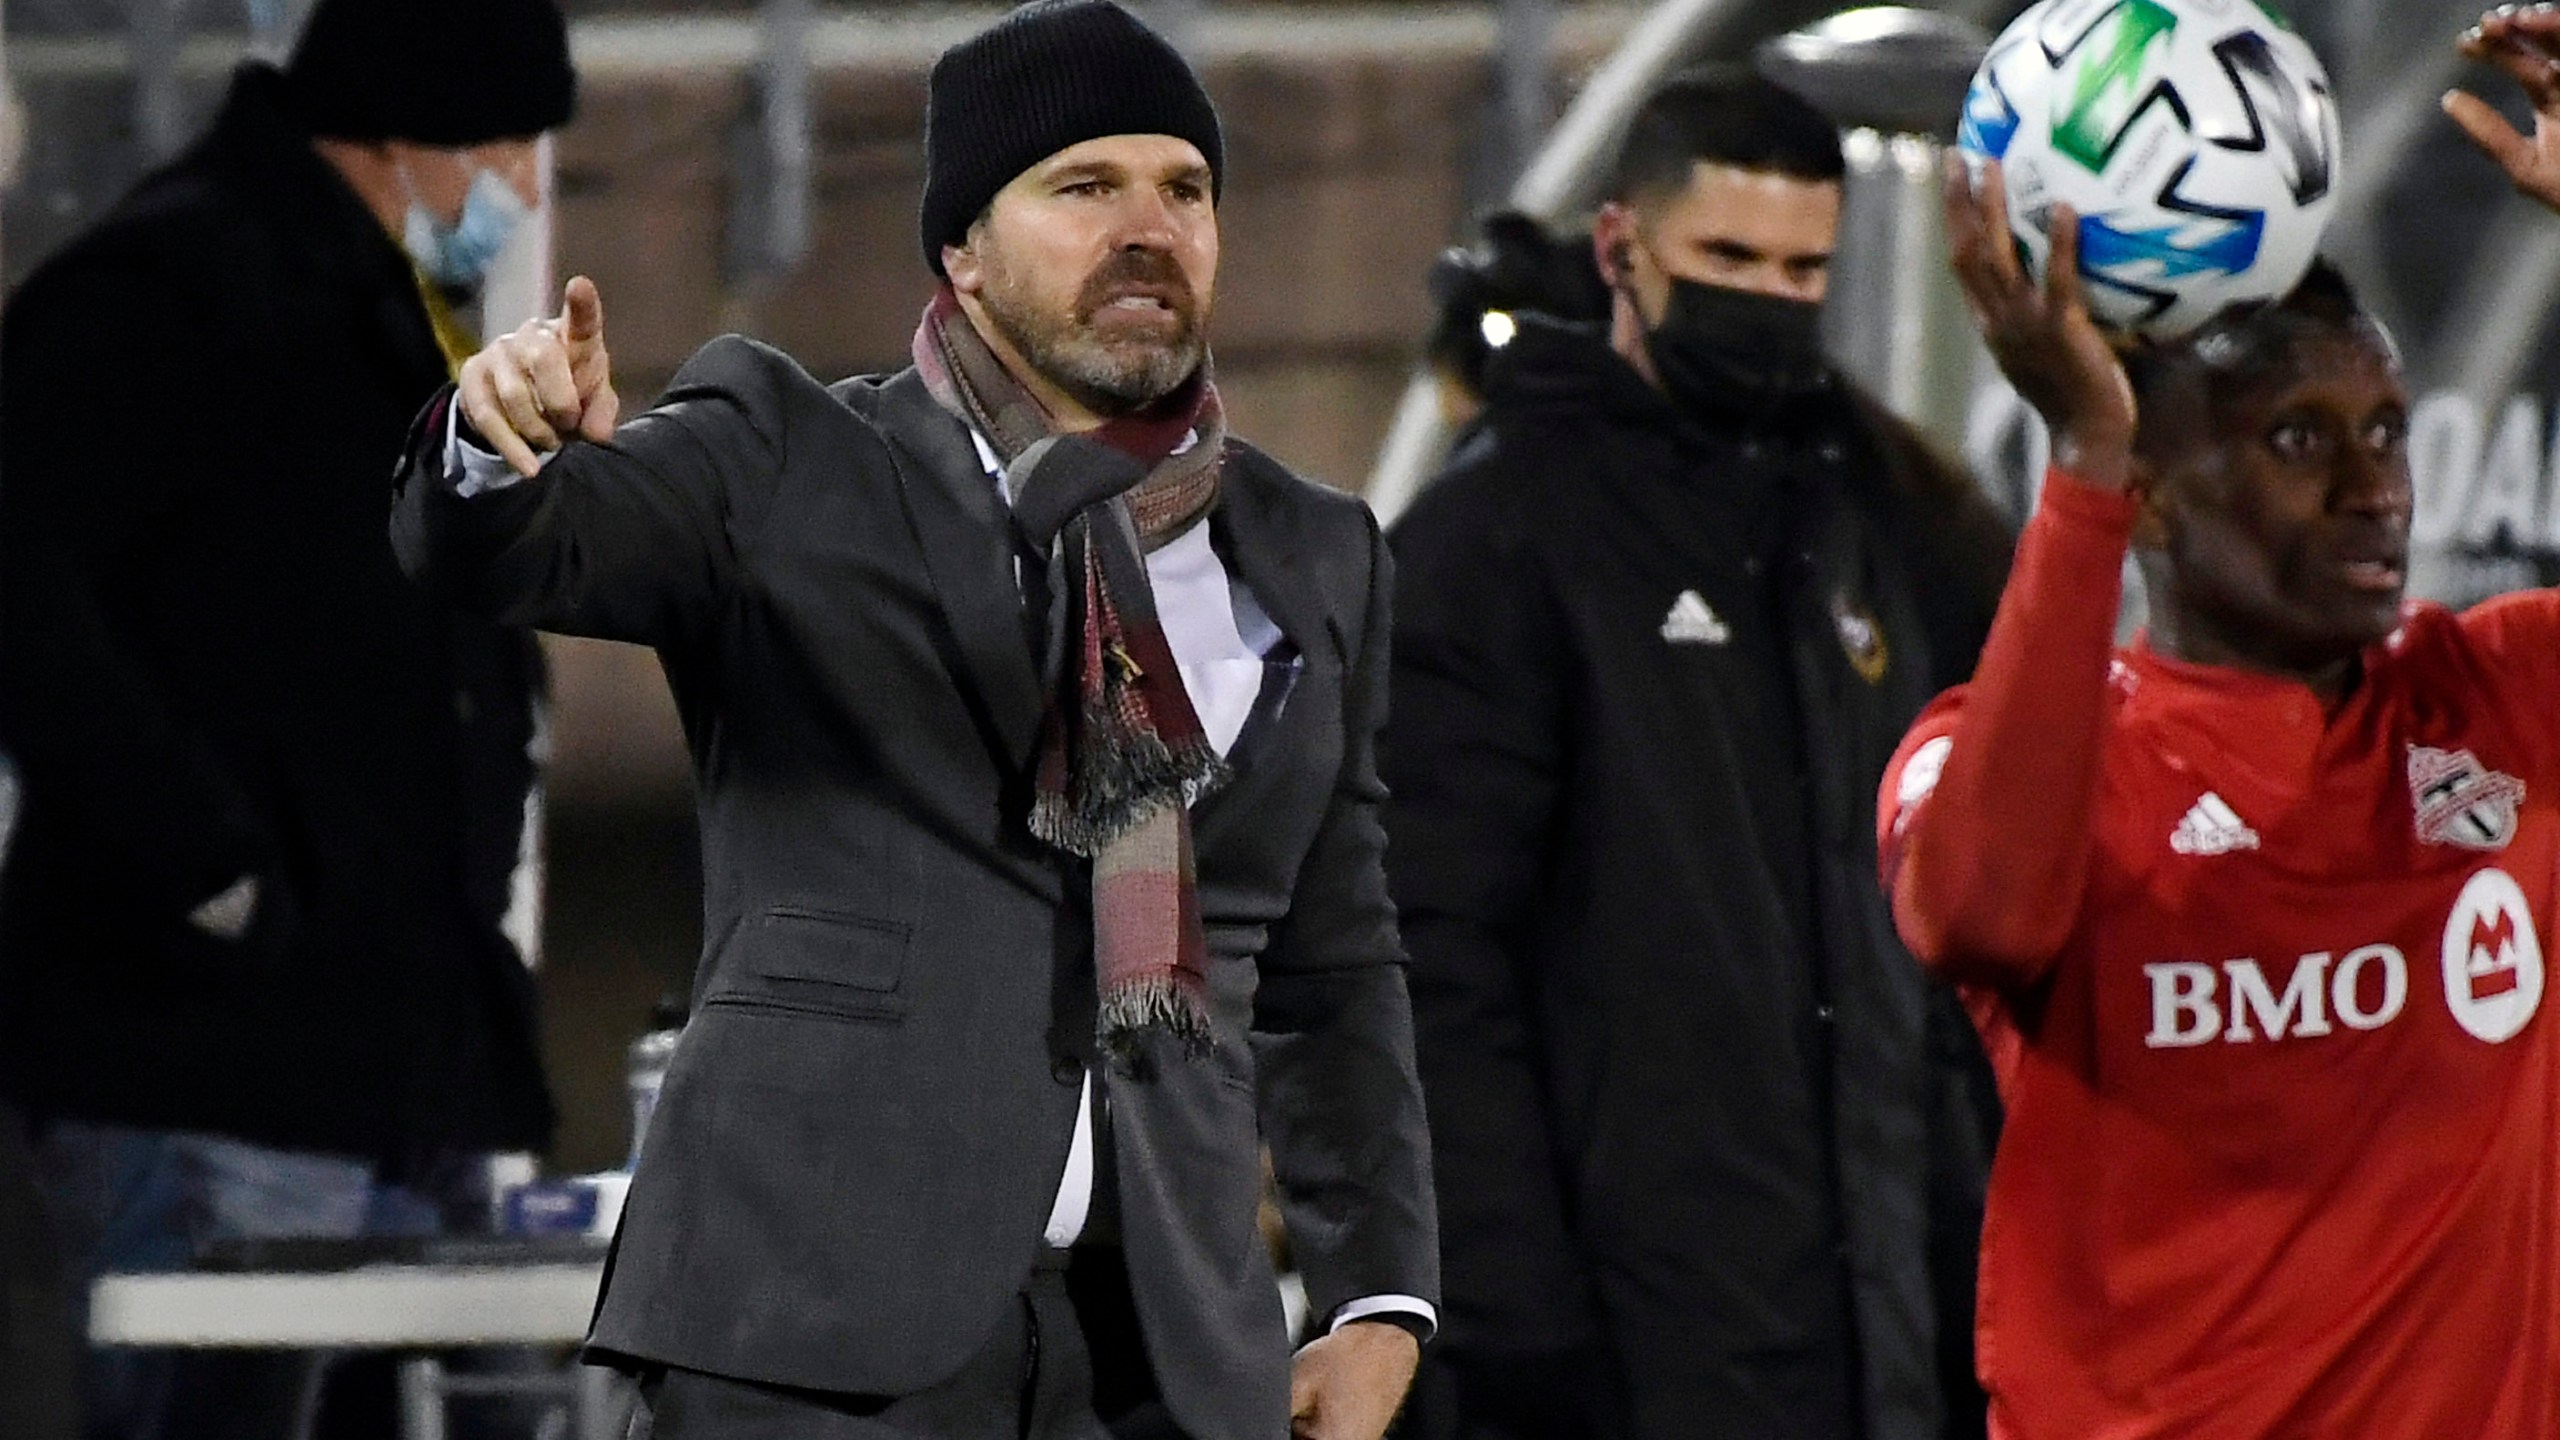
x=964, y=264
x=960, y=266
x=1613, y=233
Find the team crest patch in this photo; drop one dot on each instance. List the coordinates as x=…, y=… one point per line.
x=1920, y=773
x=2459, y=801
x=1861, y=638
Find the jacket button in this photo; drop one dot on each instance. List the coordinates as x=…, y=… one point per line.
x=1067, y=1070
x=1826, y=1014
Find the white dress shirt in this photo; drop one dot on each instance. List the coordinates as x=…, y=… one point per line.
x=1220, y=638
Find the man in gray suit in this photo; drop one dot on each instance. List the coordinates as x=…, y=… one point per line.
x=1033, y=720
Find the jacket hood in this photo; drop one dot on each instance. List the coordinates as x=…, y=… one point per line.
x=1553, y=365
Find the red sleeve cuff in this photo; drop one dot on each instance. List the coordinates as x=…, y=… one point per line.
x=2084, y=505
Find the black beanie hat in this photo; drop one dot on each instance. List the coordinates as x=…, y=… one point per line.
x=437, y=72
x=1052, y=74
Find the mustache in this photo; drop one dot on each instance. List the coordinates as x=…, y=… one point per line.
x=1127, y=269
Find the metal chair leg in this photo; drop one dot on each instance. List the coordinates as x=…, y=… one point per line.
x=598, y=1403
x=422, y=1398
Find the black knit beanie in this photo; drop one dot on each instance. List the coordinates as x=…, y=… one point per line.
x=437, y=72
x=1052, y=74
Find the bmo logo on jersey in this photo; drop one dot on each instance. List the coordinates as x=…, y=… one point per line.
x=2492, y=982
x=2195, y=1004
x=2492, y=959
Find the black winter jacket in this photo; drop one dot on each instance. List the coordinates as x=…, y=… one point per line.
x=1689, y=1098
x=211, y=667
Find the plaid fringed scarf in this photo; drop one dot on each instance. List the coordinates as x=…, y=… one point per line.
x=1122, y=754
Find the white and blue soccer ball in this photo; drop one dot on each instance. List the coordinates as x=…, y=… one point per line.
x=2196, y=139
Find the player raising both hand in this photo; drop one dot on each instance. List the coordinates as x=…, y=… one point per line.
x=2250, y=911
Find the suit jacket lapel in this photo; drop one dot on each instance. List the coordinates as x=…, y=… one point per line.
x=968, y=550
x=1262, y=548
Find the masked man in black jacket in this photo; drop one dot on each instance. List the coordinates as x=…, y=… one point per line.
x=1709, y=1146
x=256, y=978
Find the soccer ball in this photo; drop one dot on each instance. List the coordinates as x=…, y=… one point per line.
x=2196, y=140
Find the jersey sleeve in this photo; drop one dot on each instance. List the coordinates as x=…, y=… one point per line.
x=2520, y=635
x=1912, y=776
x=1984, y=816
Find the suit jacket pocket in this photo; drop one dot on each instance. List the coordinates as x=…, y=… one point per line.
x=820, y=963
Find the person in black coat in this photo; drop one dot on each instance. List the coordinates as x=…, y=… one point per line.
x=39, y=1368
x=1710, y=1147
x=252, y=958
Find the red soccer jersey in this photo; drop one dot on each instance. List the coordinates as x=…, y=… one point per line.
x=2263, y=989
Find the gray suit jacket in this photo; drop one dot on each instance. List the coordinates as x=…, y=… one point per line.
x=859, y=1143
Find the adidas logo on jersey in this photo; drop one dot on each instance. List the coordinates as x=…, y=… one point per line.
x=1692, y=622
x=2212, y=828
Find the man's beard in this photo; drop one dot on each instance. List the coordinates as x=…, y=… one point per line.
x=1106, y=376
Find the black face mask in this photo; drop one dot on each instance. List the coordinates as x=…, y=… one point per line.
x=1738, y=352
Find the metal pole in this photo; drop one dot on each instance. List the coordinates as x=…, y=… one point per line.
x=520, y=285
x=1895, y=319
x=2495, y=322
x=13, y=140
x=1895, y=77
x=1563, y=177
x=274, y=25
x=785, y=76
x=2392, y=119
x=1524, y=77
x=1178, y=21
x=155, y=31
x=597, y=1408
x=769, y=228
x=422, y=1398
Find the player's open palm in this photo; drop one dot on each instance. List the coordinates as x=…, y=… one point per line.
x=2041, y=333
x=2524, y=42
x=549, y=379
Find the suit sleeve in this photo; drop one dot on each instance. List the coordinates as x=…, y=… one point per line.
x=1983, y=821
x=1333, y=1031
x=635, y=539
x=1475, y=751
x=103, y=753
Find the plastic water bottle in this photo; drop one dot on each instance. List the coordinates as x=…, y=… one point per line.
x=651, y=1054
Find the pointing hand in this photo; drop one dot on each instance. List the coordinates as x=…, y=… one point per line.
x=551, y=379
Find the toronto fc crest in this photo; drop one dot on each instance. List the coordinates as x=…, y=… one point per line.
x=2459, y=801
x=1861, y=637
